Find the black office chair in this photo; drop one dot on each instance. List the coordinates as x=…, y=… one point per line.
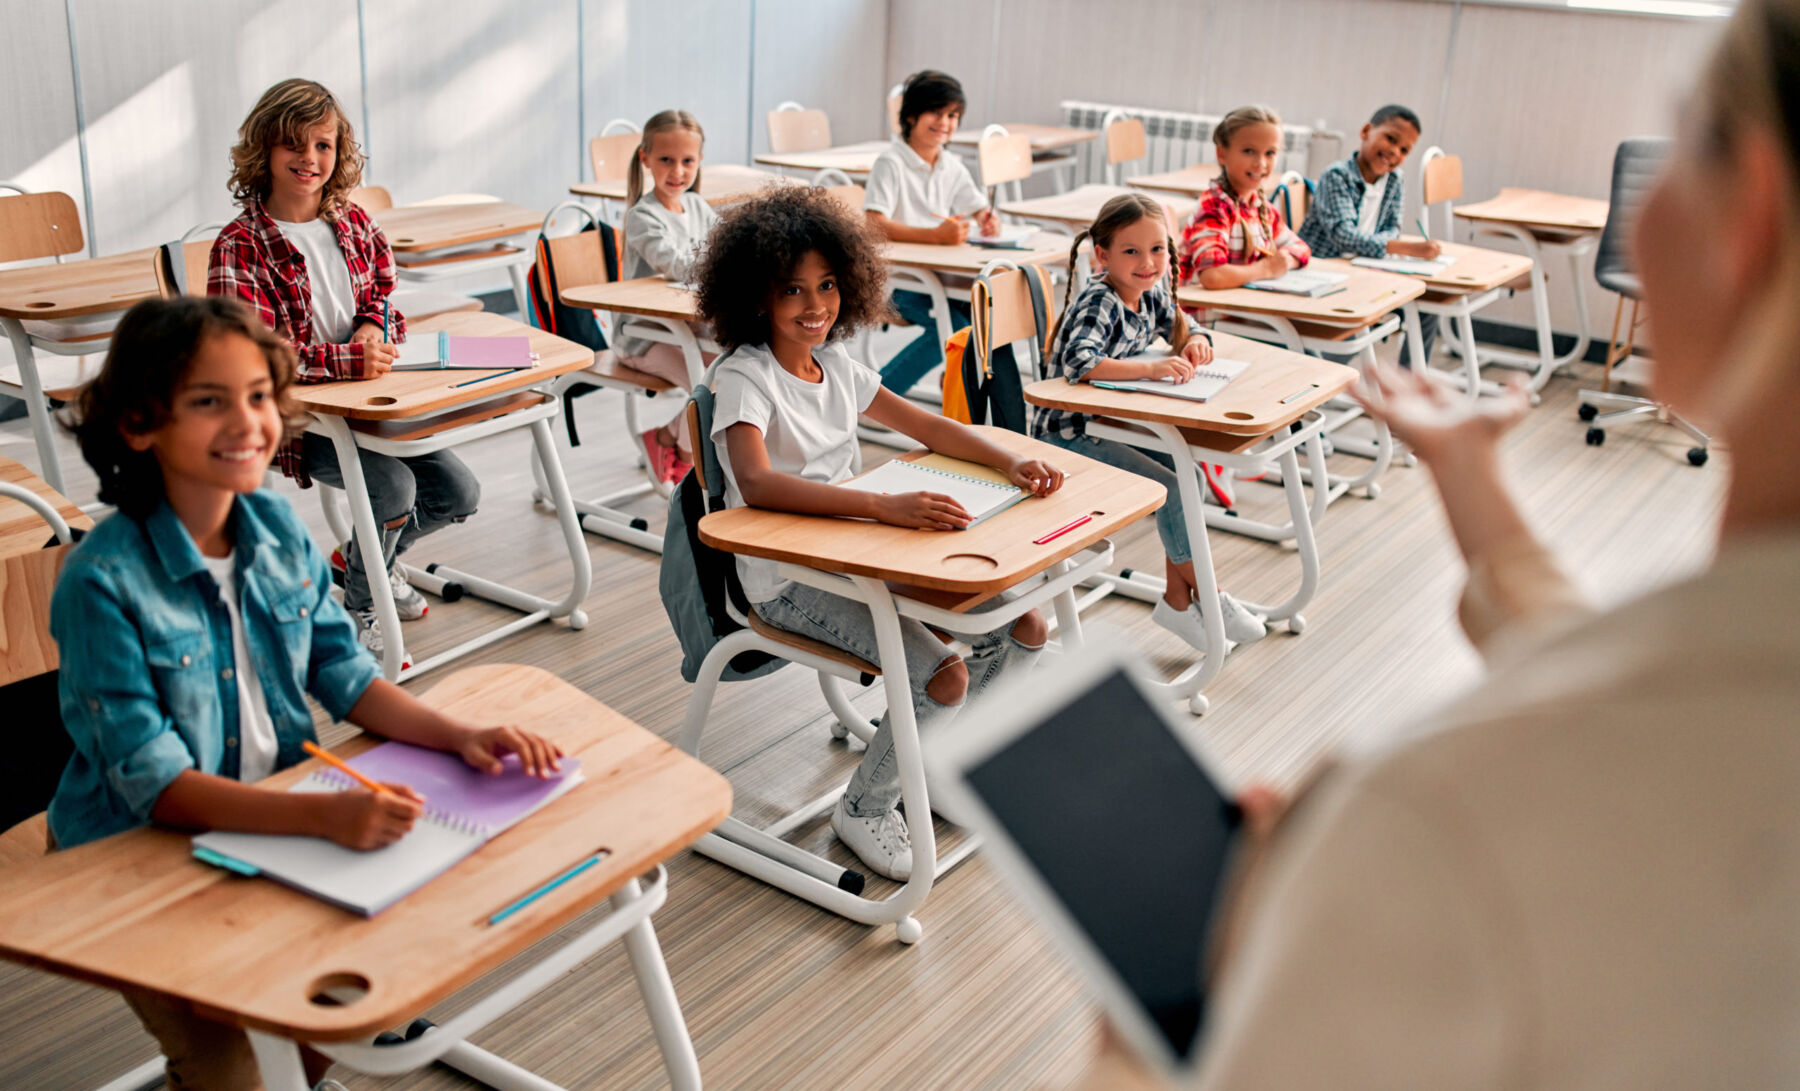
x=1635, y=167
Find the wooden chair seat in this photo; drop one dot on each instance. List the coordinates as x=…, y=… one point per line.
x=808, y=644
x=421, y=427
x=28, y=840
x=608, y=368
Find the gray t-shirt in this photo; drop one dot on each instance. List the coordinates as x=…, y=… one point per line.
x=659, y=242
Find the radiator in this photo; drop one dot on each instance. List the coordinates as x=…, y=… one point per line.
x=1174, y=138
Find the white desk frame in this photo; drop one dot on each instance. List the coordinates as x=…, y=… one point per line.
x=31, y=382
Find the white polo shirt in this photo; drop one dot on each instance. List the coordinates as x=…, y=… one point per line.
x=907, y=190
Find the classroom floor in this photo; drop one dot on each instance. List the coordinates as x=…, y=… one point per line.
x=778, y=993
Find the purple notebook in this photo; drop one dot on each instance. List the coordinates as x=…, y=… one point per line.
x=453, y=787
x=480, y=352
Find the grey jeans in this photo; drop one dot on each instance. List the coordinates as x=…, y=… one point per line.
x=434, y=490
x=847, y=624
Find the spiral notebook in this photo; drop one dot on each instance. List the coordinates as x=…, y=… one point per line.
x=1303, y=282
x=1206, y=384
x=452, y=352
x=1416, y=267
x=464, y=810
x=981, y=491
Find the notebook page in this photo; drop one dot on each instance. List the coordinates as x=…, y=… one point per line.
x=1418, y=267
x=420, y=352
x=1008, y=235
x=1206, y=384
x=1301, y=282
x=979, y=498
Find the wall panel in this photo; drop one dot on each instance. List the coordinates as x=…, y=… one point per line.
x=37, y=132
x=643, y=56
x=828, y=53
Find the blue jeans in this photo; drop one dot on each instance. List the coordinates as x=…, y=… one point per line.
x=847, y=624
x=1171, y=524
x=432, y=490
x=923, y=352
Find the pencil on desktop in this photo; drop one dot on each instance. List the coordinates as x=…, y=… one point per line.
x=342, y=766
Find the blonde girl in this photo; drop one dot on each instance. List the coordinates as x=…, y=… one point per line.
x=1236, y=235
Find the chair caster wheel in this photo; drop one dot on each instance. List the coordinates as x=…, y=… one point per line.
x=1296, y=624
x=1198, y=704
x=1596, y=436
x=1587, y=412
x=1697, y=456
x=839, y=731
x=1373, y=491
x=909, y=931
x=578, y=620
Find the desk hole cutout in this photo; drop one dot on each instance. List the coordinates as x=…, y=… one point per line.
x=402, y=242
x=1342, y=310
x=381, y=399
x=40, y=304
x=1239, y=414
x=337, y=990
x=1096, y=514
x=971, y=562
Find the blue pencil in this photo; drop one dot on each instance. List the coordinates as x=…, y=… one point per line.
x=549, y=886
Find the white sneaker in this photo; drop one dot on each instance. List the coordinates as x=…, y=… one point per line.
x=1185, y=624
x=368, y=631
x=881, y=841
x=1241, y=626
x=408, y=603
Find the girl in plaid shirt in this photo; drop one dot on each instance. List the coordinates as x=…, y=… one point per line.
x=1106, y=333
x=1236, y=235
x=318, y=271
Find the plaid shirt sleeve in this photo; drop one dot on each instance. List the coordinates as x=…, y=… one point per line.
x=1205, y=241
x=372, y=271
x=1287, y=240
x=1336, y=209
x=1089, y=329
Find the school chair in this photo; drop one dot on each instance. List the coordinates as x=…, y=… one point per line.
x=612, y=155
x=794, y=128
x=1293, y=196
x=411, y=302
x=1003, y=159
x=1440, y=184
x=1009, y=305
x=1125, y=143
x=1635, y=167
x=894, y=95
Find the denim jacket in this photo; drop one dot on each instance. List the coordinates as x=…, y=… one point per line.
x=146, y=686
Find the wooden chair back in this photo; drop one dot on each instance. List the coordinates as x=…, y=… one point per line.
x=895, y=94
x=39, y=225
x=1011, y=318
x=1443, y=179
x=1003, y=158
x=579, y=259
x=372, y=198
x=612, y=156
x=798, y=131
x=1125, y=141
x=851, y=197
x=692, y=413
x=1293, y=198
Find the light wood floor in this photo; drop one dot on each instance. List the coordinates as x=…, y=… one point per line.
x=780, y=994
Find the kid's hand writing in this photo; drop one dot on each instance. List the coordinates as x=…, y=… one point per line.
x=368, y=333
x=1415, y=248
x=951, y=232
x=1198, y=351
x=377, y=359
x=364, y=820
x=1177, y=368
x=1035, y=476
x=925, y=510
x=485, y=746
x=1276, y=263
x=987, y=222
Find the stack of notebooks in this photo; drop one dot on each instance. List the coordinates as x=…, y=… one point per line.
x=1416, y=267
x=1302, y=282
x=1007, y=237
x=1206, y=384
x=983, y=492
x=448, y=352
x=464, y=810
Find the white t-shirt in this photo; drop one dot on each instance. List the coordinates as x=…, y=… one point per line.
x=809, y=429
x=1370, y=212
x=907, y=190
x=333, y=300
x=256, y=731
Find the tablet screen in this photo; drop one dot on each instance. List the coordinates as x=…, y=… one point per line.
x=1128, y=832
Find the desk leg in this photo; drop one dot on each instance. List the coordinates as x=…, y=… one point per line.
x=278, y=1059
x=521, y=293
x=1187, y=478
x=43, y=428
x=659, y=996
x=1305, y=543
x=368, y=540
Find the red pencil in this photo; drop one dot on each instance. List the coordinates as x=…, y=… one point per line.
x=1062, y=530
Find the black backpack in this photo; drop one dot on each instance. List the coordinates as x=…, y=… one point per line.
x=550, y=314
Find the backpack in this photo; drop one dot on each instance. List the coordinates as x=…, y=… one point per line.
x=577, y=324
x=696, y=580
x=981, y=382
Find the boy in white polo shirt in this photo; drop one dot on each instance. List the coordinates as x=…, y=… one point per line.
x=918, y=193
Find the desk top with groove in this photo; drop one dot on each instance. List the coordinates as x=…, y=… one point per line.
x=1079, y=206
x=849, y=158
x=653, y=297
x=77, y=288
x=1044, y=138
x=137, y=909
x=400, y=394
x=1189, y=181
x=1476, y=269
x=1255, y=403
x=1368, y=295
x=417, y=228
x=1535, y=208
x=968, y=259
x=971, y=564
x=720, y=184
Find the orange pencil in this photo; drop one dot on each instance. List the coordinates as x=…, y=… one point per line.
x=342, y=766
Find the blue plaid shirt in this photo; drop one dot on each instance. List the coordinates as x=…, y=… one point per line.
x=1330, y=227
x=1098, y=326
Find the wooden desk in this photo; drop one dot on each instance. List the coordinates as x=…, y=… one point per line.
x=136, y=910
x=1536, y=220
x=1246, y=428
x=28, y=574
x=945, y=574
x=852, y=159
x=1190, y=181
x=967, y=259
x=54, y=293
x=1079, y=207
x=417, y=232
x=1043, y=138
x=720, y=183
x=360, y=413
x=1462, y=289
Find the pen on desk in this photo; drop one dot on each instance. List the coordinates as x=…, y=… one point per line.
x=508, y=911
x=1298, y=394
x=343, y=767
x=1062, y=530
x=485, y=378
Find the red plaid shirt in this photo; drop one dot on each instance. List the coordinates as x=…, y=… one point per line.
x=253, y=261
x=1229, y=231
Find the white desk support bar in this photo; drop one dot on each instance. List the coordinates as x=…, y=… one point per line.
x=761, y=853
x=279, y=1058
x=31, y=386
x=1544, y=362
